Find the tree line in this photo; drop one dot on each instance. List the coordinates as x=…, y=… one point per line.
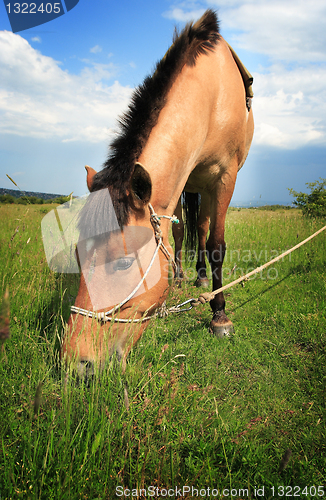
x=33, y=200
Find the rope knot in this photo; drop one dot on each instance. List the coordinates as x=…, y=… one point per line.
x=204, y=297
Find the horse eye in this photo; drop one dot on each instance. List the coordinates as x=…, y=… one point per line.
x=123, y=263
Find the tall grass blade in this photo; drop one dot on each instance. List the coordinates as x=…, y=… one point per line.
x=4, y=320
x=11, y=180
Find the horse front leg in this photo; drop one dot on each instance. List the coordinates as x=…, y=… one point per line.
x=220, y=325
x=202, y=230
x=178, y=235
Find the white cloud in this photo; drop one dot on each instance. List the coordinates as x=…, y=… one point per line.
x=178, y=14
x=39, y=99
x=290, y=91
x=290, y=30
x=36, y=39
x=96, y=49
x=290, y=106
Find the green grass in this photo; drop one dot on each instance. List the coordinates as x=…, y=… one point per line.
x=204, y=412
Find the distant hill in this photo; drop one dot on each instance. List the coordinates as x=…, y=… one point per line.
x=17, y=194
x=49, y=196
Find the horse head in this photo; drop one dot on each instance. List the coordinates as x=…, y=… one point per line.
x=124, y=273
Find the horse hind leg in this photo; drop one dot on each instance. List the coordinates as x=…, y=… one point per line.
x=202, y=230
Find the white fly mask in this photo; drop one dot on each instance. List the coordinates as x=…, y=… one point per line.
x=85, y=235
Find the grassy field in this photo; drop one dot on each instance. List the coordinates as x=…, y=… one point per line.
x=238, y=418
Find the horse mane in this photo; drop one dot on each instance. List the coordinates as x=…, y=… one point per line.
x=146, y=104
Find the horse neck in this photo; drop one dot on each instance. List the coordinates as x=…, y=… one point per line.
x=176, y=142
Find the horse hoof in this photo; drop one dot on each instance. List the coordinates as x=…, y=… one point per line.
x=202, y=282
x=221, y=326
x=221, y=331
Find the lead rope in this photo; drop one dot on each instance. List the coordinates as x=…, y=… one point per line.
x=156, y=223
x=207, y=297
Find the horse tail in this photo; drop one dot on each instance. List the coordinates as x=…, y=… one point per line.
x=191, y=204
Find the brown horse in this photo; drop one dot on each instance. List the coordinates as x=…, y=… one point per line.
x=188, y=128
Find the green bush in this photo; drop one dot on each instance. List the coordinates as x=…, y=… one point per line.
x=60, y=200
x=7, y=198
x=22, y=200
x=33, y=200
x=314, y=203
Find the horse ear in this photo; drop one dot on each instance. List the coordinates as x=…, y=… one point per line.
x=140, y=186
x=90, y=174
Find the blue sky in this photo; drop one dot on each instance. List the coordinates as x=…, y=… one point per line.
x=63, y=84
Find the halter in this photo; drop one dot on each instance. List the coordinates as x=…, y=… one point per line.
x=107, y=316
